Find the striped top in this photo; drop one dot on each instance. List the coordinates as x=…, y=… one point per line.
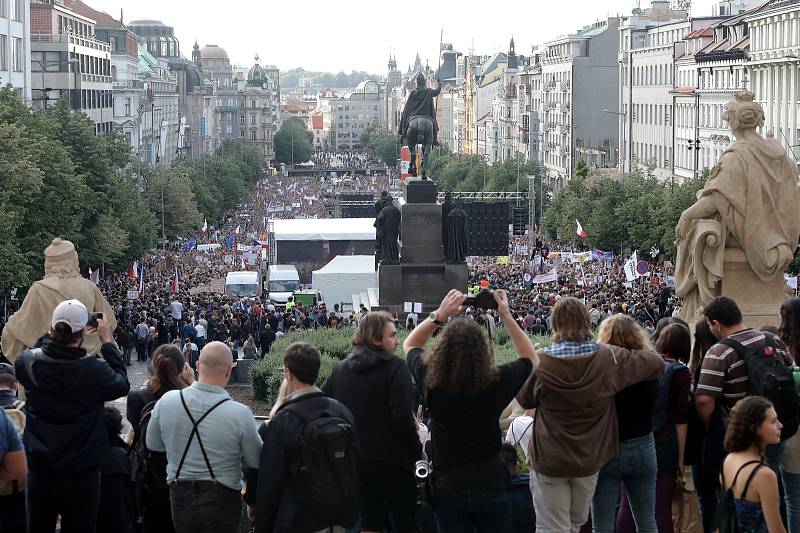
x=724, y=370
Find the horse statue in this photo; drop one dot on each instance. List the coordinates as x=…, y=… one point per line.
x=418, y=125
x=420, y=132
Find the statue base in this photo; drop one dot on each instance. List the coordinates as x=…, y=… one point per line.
x=420, y=191
x=759, y=301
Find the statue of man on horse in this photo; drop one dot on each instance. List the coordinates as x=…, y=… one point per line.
x=418, y=123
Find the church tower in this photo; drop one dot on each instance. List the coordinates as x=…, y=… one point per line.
x=196, y=55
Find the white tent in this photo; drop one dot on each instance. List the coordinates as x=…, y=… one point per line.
x=331, y=229
x=345, y=276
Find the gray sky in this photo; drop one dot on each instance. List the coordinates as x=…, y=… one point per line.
x=350, y=35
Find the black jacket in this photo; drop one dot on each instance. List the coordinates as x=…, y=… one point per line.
x=117, y=501
x=65, y=431
x=376, y=387
x=269, y=488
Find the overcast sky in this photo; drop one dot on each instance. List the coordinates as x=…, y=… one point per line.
x=348, y=35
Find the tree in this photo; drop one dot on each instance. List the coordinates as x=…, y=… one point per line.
x=293, y=142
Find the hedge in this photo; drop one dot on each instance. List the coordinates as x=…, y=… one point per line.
x=334, y=346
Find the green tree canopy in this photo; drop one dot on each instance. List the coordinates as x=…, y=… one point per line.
x=293, y=142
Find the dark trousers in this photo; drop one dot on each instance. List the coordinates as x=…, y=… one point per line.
x=479, y=510
x=75, y=498
x=141, y=351
x=155, y=512
x=205, y=507
x=386, y=491
x=126, y=353
x=12, y=513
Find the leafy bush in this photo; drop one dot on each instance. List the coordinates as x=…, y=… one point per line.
x=334, y=346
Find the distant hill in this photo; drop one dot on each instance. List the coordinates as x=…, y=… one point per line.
x=299, y=77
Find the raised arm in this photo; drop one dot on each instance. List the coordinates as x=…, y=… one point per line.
x=450, y=306
x=522, y=343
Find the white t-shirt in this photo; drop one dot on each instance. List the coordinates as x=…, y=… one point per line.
x=201, y=331
x=176, y=308
x=520, y=431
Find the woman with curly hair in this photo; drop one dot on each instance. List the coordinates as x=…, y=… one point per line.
x=465, y=393
x=635, y=463
x=753, y=424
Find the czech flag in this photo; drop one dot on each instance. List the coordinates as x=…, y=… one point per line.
x=580, y=231
x=174, y=286
x=133, y=272
x=205, y=226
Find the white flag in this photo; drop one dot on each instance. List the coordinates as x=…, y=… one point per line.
x=205, y=226
x=630, y=268
x=546, y=278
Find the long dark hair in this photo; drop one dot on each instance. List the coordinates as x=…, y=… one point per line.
x=703, y=340
x=167, y=366
x=461, y=361
x=789, y=331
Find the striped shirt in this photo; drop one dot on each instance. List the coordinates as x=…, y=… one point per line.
x=724, y=370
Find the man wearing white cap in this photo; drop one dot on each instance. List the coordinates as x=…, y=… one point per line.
x=65, y=435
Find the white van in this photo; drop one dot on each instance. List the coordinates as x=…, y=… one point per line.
x=283, y=281
x=243, y=284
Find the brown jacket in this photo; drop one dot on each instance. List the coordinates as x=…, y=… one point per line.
x=575, y=430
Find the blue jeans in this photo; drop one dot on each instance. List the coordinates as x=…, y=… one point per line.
x=479, y=510
x=791, y=484
x=635, y=465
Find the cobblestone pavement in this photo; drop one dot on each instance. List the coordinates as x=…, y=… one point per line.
x=137, y=376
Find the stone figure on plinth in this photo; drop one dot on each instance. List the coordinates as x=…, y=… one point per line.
x=62, y=281
x=741, y=234
x=456, y=234
x=387, y=233
x=418, y=123
x=380, y=203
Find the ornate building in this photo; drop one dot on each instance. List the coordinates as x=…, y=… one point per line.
x=258, y=98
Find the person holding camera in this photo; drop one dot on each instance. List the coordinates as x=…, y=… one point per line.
x=65, y=434
x=465, y=393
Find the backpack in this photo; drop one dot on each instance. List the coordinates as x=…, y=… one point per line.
x=324, y=468
x=771, y=378
x=660, y=409
x=18, y=420
x=148, y=467
x=724, y=520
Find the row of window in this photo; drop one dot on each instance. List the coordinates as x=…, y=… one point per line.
x=71, y=25
x=12, y=9
x=649, y=75
x=94, y=65
x=17, y=60
x=655, y=114
x=95, y=99
x=782, y=34
x=655, y=154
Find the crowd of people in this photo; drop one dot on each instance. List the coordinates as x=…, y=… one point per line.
x=354, y=159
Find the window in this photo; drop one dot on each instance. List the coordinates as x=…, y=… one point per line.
x=4, y=8
x=127, y=107
x=3, y=46
x=17, y=9
x=17, y=62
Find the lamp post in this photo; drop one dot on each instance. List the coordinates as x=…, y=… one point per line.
x=623, y=115
x=43, y=67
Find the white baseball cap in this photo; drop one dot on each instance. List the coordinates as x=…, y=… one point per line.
x=71, y=312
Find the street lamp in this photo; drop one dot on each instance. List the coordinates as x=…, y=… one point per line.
x=43, y=67
x=622, y=116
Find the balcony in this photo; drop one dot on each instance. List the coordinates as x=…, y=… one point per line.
x=98, y=78
x=70, y=38
x=128, y=84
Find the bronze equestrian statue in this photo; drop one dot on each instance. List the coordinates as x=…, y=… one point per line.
x=418, y=123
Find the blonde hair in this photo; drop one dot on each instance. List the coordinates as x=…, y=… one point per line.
x=621, y=330
x=571, y=320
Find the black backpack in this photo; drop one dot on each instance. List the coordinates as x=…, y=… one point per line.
x=770, y=377
x=324, y=468
x=148, y=467
x=724, y=520
x=660, y=409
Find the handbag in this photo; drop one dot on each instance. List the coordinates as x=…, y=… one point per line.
x=686, y=505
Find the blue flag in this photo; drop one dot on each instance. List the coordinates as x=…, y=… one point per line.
x=190, y=244
x=229, y=241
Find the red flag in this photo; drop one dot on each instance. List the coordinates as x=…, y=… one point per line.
x=580, y=231
x=174, y=284
x=205, y=226
x=133, y=272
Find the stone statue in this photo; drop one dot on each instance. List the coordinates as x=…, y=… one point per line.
x=418, y=123
x=456, y=234
x=387, y=226
x=741, y=234
x=62, y=281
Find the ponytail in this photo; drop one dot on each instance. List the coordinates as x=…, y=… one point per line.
x=167, y=367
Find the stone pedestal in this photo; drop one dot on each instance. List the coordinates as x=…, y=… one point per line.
x=422, y=275
x=758, y=300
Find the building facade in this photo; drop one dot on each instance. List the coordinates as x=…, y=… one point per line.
x=15, y=46
x=258, y=104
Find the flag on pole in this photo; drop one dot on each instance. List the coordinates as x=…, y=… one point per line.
x=580, y=231
x=133, y=272
x=141, y=281
x=630, y=268
x=175, y=282
x=205, y=226
x=244, y=265
x=238, y=228
x=654, y=252
x=94, y=275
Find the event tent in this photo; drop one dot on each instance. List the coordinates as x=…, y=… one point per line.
x=331, y=229
x=343, y=277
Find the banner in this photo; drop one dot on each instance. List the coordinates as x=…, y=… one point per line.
x=502, y=260
x=133, y=295
x=791, y=281
x=243, y=248
x=600, y=255
x=630, y=268
x=546, y=278
x=207, y=247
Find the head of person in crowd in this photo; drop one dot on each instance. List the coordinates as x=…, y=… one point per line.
x=570, y=321
x=723, y=316
x=461, y=361
x=663, y=323
x=301, y=362
x=168, y=364
x=703, y=340
x=753, y=422
x=69, y=323
x=216, y=364
x=789, y=330
x=8, y=377
x=113, y=421
x=377, y=331
x=623, y=331
x=675, y=342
